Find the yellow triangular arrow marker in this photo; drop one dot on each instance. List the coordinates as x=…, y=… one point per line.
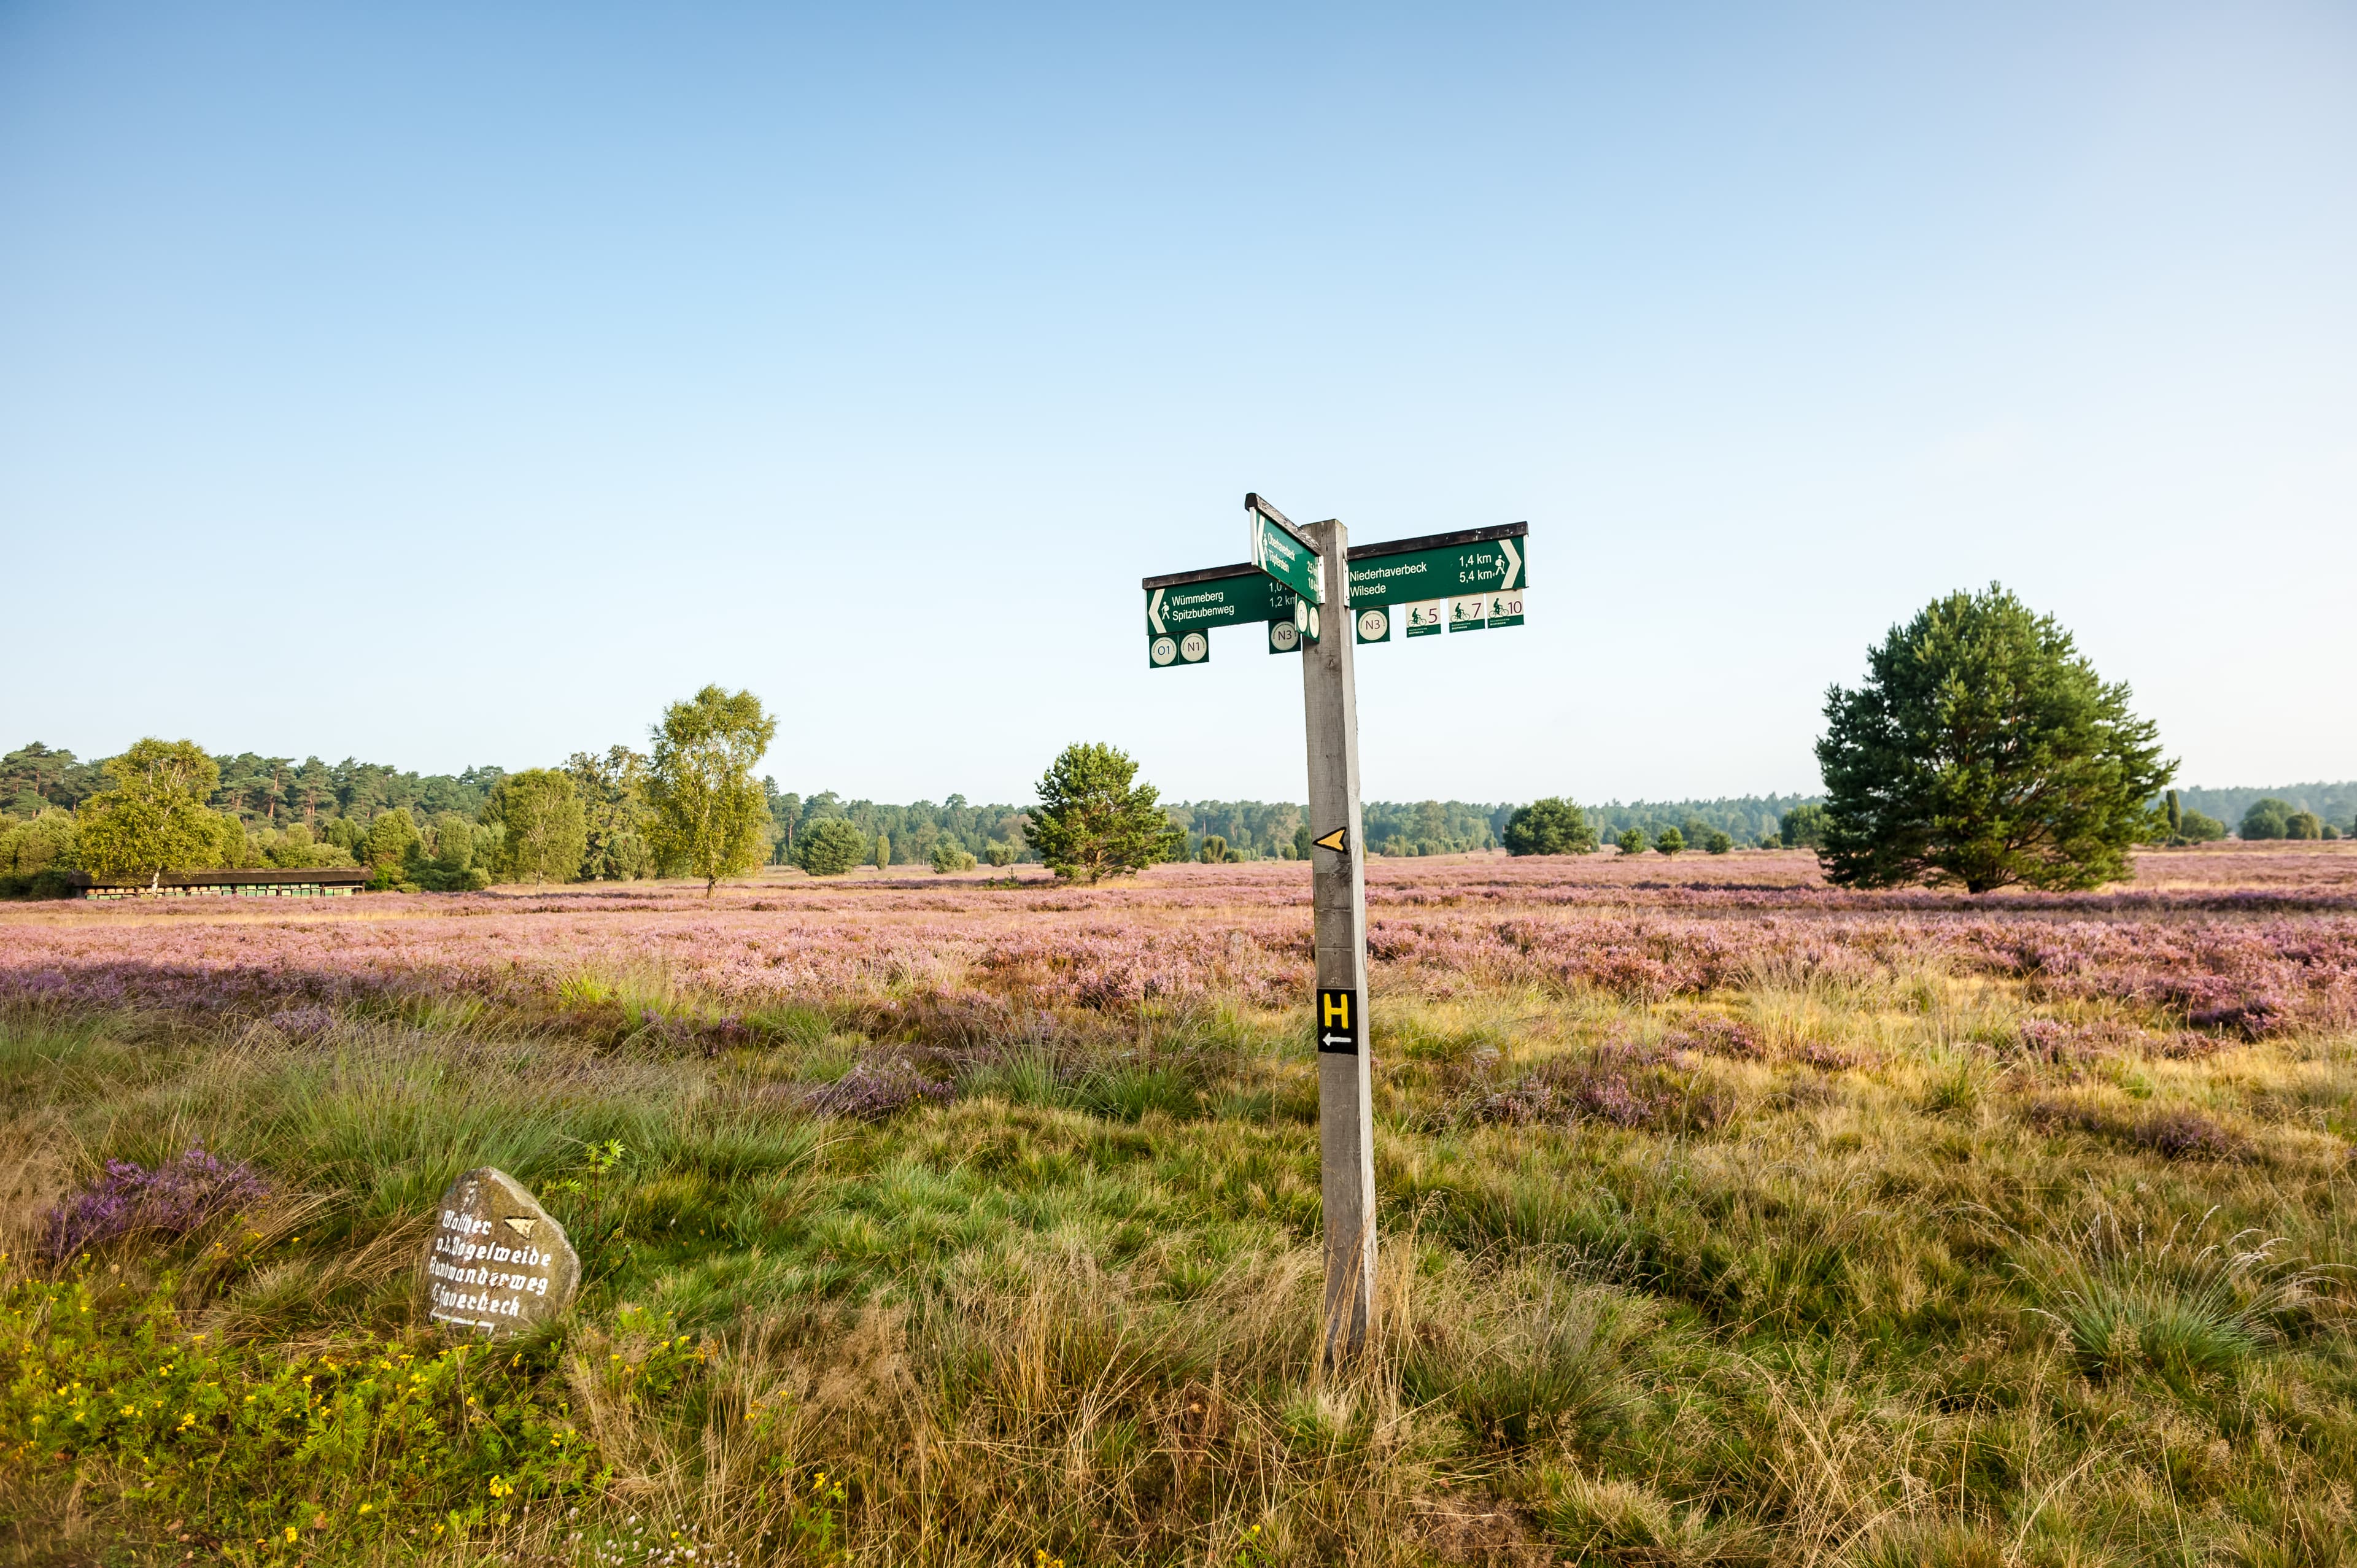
x=522, y=1224
x=1339, y=841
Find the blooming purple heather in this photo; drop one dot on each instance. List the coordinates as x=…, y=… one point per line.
x=170, y=1200
x=870, y=1093
x=2242, y=940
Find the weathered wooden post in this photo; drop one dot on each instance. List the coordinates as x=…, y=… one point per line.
x=1339, y=901
x=1297, y=583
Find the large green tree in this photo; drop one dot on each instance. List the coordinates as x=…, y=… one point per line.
x=543, y=833
x=711, y=815
x=829, y=846
x=154, y=818
x=613, y=800
x=1552, y=826
x=2267, y=818
x=1983, y=750
x=393, y=840
x=1092, y=822
x=1805, y=827
x=39, y=851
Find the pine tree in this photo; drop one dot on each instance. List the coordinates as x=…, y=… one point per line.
x=1983, y=750
x=1093, y=822
x=1552, y=826
x=829, y=846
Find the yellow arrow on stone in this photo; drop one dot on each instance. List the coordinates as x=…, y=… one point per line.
x=1339, y=841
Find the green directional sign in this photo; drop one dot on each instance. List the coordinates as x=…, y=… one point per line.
x=1456, y=582
x=1188, y=605
x=1282, y=553
x=1403, y=573
x=1402, y=588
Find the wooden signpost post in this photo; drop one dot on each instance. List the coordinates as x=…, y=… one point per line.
x=1300, y=580
x=1337, y=901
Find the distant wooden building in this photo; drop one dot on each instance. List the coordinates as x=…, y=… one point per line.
x=322, y=882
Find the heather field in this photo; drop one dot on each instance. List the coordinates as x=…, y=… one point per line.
x=1728, y=1218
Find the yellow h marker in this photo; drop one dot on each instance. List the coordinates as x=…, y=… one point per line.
x=1337, y=1008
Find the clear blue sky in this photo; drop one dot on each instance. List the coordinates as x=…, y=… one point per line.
x=458, y=384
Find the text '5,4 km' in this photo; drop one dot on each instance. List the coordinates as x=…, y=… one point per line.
x=1338, y=1022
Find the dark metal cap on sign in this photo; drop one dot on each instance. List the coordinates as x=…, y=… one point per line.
x=1253, y=501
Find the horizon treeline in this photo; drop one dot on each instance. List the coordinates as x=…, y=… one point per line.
x=274, y=793
x=2332, y=803
x=341, y=801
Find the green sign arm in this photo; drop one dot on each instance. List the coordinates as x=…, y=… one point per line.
x=1283, y=550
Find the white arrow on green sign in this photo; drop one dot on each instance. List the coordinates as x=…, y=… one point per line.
x=1486, y=560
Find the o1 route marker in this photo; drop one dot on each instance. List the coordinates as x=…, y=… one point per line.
x=1404, y=588
x=1338, y=1023
x=1283, y=550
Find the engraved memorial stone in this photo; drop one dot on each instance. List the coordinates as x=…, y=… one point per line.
x=497, y=1263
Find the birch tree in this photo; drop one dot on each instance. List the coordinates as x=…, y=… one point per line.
x=711, y=815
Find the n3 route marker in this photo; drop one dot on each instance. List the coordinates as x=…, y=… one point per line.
x=1470, y=581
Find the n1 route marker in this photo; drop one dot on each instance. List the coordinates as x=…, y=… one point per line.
x=1462, y=581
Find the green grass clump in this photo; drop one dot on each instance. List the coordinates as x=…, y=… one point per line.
x=379, y=1443
x=1809, y=1273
